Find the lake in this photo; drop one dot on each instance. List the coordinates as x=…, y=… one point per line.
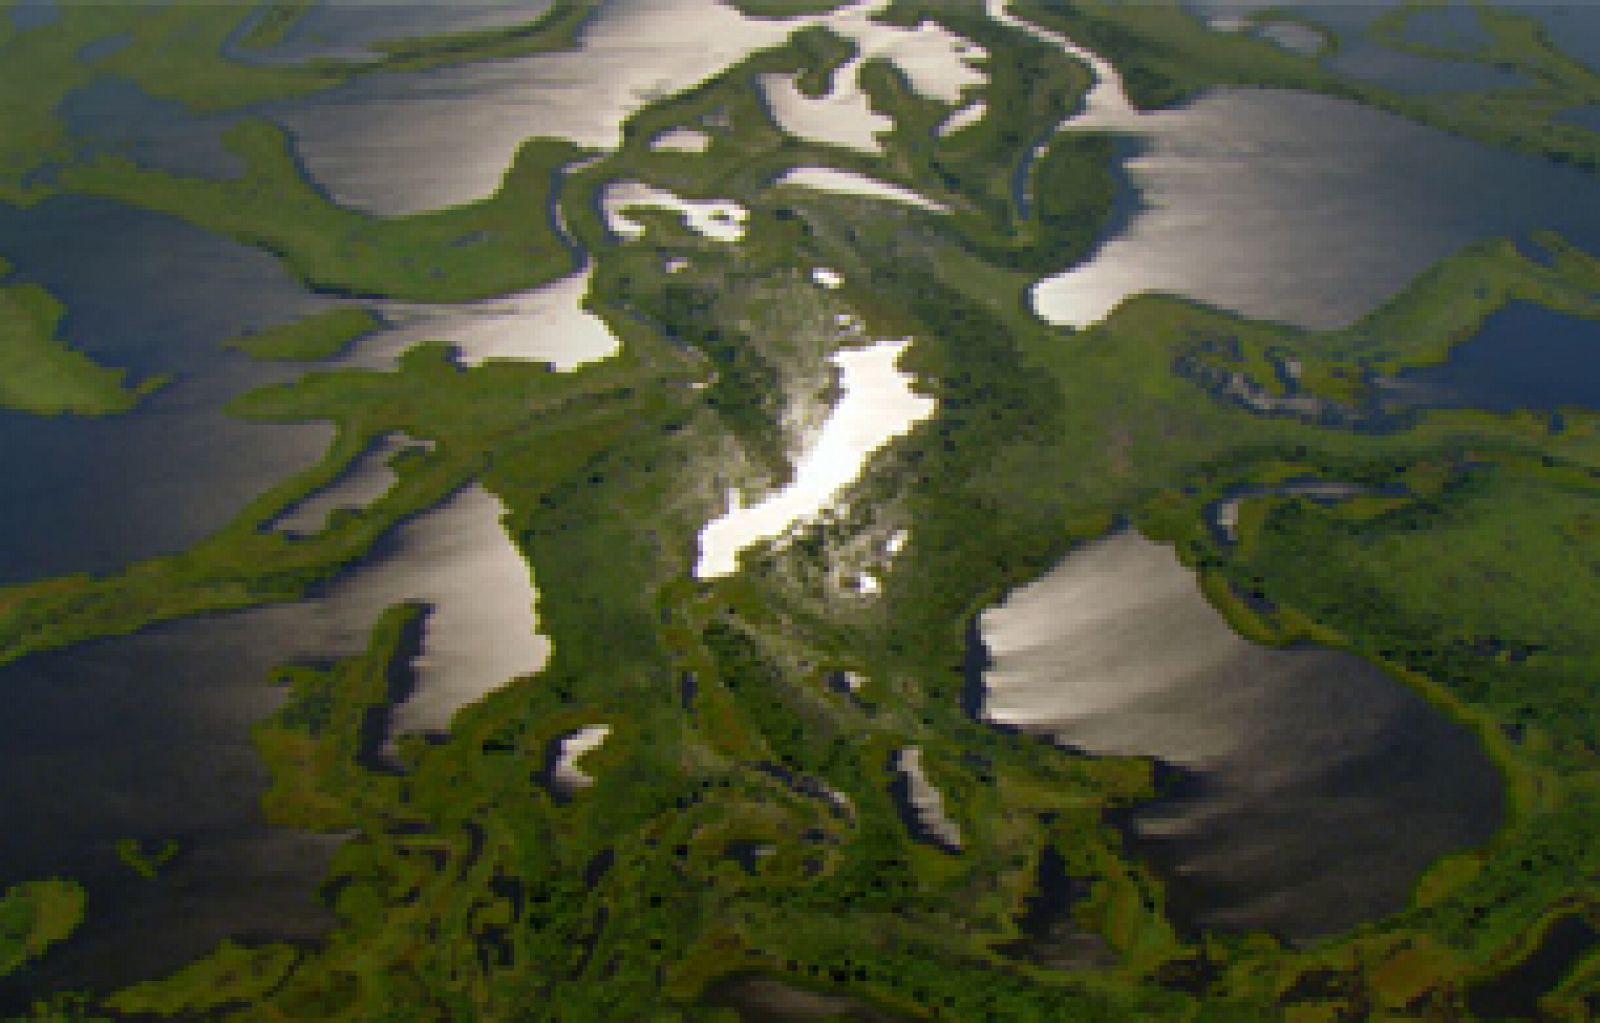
x=148, y=737
x=1315, y=789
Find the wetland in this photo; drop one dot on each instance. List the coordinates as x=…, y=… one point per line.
x=696, y=510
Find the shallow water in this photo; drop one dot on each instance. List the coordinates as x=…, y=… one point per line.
x=681, y=140
x=937, y=64
x=480, y=631
x=1224, y=513
x=829, y=179
x=877, y=404
x=148, y=737
x=844, y=117
x=1295, y=38
x=1583, y=117
x=26, y=14
x=921, y=803
x=406, y=142
x=366, y=479
x=156, y=296
x=718, y=219
x=1350, y=206
x=1301, y=761
x=1106, y=103
x=335, y=29
x=1574, y=27
x=140, y=729
x=1525, y=357
x=546, y=324
x=1456, y=26
x=115, y=116
x=1415, y=75
x=1516, y=993
x=758, y=999
x=965, y=117
x=567, y=776
x=1361, y=58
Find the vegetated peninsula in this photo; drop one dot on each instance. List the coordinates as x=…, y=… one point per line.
x=40, y=373
x=320, y=336
x=35, y=915
x=744, y=836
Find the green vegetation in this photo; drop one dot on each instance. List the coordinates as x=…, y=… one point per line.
x=321, y=336
x=466, y=412
x=177, y=52
x=1166, y=56
x=318, y=743
x=34, y=916
x=231, y=975
x=785, y=8
x=274, y=22
x=39, y=373
x=467, y=889
x=556, y=29
x=146, y=861
x=1445, y=306
x=1328, y=43
x=499, y=244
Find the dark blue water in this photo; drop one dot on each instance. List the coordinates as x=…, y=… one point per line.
x=26, y=14
x=115, y=116
x=100, y=49
x=1457, y=27
x=1515, y=994
x=1525, y=357
x=1574, y=27
x=1413, y=75
x=155, y=296
x=1362, y=59
x=1583, y=117
x=147, y=737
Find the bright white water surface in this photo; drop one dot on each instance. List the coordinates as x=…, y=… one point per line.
x=1303, y=760
x=565, y=772
x=718, y=219
x=544, y=324
x=843, y=182
x=876, y=406
x=926, y=802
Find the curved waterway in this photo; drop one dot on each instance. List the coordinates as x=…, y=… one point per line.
x=147, y=737
x=1316, y=789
